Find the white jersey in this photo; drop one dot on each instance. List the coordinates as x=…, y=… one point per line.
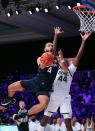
x=82, y=127
x=60, y=96
x=48, y=127
x=33, y=126
x=89, y=127
x=77, y=127
x=62, y=82
x=61, y=127
x=53, y=127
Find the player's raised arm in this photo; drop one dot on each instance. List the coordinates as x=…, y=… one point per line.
x=76, y=59
x=57, y=31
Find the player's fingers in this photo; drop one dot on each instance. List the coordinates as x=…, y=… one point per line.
x=54, y=28
x=62, y=31
x=81, y=35
x=46, y=62
x=59, y=28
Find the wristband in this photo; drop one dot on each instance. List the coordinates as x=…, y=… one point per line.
x=61, y=61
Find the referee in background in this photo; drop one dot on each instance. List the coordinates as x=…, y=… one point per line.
x=22, y=122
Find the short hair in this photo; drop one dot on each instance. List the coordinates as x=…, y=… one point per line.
x=74, y=116
x=47, y=43
x=88, y=117
x=21, y=101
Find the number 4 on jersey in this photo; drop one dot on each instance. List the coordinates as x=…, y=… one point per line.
x=49, y=70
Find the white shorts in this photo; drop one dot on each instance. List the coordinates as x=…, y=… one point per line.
x=56, y=101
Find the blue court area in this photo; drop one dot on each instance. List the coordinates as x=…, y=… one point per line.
x=8, y=128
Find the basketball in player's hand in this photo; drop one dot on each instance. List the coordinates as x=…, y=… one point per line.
x=47, y=58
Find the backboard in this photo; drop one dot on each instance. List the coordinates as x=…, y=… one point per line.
x=89, y=3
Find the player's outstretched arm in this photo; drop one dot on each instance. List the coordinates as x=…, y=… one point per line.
x=57, y=31
x=76, y=59
x=80, y=52
x=85, y=127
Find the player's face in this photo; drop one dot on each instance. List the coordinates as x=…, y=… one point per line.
x=54, y=121
x=74, y=119
x=49, y=47
x=59, y=121
x=88, y=120
x=21, y=105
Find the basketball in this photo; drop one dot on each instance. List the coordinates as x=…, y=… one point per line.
x=47, y=58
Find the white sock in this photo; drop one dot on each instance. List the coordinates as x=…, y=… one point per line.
x=41, y=128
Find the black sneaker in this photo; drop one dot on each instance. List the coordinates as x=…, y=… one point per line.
x=7, y=101
x=13, y=101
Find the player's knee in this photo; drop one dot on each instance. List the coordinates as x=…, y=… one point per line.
x=15, y=86
x=68, y=124
x=10, y=87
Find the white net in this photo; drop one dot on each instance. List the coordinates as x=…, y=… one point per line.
x=87, y=19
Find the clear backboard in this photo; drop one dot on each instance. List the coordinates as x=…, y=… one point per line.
x=89, y=3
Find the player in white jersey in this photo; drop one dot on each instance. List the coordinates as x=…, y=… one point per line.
x=76, y=126
x=60, y=97
x=60, y=126
x=89, y=125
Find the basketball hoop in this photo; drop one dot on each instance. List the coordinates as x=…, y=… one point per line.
x=87, y=18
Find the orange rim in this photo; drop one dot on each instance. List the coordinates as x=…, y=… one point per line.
x=82, y=6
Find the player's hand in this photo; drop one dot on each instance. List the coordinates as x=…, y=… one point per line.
x=43, y=65
x=2, y=108
x=18, y=123
x=58, y=30
x=85, y=36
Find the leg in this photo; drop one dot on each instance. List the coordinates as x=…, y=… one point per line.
x=20, y=127
x=16, y=86
x=68, y=124
x=43, y=102
x=51, y=108
x=25, y=126
x=66, y=110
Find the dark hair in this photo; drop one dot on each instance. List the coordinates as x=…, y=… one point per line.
x=88, y=117
x=47, y=43
x=74, y=116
